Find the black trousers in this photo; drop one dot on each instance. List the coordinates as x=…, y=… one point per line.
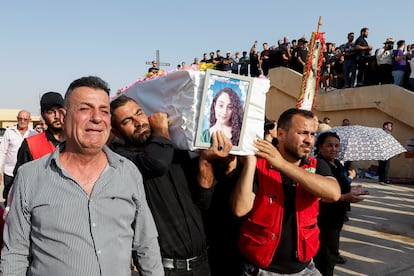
x=8, y=182
x=385, y=73
x=362, y=76
x=383, y=169
x=325, y=259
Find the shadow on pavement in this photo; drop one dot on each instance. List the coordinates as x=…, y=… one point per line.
x=379, y=237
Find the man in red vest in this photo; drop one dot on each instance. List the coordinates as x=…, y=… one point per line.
x=45, y=142
x=278, y=194
x=36, y=146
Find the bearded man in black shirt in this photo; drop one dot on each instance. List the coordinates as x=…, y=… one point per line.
x=177, y=186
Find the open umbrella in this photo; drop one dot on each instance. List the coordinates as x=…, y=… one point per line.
x=366, y=143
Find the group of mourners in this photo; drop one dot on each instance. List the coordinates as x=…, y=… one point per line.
x=104, y=184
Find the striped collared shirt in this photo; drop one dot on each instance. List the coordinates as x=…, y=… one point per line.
x=55, y=228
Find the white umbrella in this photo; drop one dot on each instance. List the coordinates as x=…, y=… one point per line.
x=366, y=143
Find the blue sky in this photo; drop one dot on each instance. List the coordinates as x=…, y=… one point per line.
x=46, y=44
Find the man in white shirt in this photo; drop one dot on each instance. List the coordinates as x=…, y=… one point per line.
x=384, y=61
x=12, y=139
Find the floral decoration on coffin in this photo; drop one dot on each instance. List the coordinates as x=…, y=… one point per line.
x=202, y=67
x=153, y=75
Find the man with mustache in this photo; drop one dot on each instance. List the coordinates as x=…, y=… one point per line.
x=177, y=186
x=278, y=193
x=363, y=53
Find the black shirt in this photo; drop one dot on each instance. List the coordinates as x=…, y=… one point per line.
x=219, y=62
x=361, y=41
x=254, y=64
x=173, y=195
x=222, y=226
x=333, y=213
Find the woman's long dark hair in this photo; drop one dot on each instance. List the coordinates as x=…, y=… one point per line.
x=236, y=115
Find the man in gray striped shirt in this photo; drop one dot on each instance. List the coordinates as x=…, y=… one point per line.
x=82, y=209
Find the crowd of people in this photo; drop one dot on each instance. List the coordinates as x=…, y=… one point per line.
x=167, y=210
x=100, y=183
x=353, y=63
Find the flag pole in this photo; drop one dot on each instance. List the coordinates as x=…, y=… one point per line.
x=319, y=24
x=312, y=70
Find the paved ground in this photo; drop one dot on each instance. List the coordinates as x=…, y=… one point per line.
x=379, y=238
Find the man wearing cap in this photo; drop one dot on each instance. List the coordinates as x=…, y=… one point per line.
x=384, y=61
x=36, y=146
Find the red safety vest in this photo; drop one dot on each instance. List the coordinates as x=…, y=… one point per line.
x=261, y=230
x=39, y=145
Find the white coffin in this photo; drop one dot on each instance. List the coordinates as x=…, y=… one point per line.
x=179, y=94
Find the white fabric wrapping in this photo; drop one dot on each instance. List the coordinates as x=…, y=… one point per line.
x=179, y=94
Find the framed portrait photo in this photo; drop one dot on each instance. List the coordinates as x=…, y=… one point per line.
x=224, y=104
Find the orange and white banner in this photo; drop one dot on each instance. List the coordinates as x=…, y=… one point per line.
x=311, y=73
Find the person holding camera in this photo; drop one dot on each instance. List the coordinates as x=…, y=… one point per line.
x=254, y=58
x=384, y=61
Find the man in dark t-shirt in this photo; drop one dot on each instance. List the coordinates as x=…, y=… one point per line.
x=177, y=186
x=218, y=60
x=363, y=53
x=265, y=59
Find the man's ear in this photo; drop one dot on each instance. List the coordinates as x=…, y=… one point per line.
x=62, y=115
x=280, y=134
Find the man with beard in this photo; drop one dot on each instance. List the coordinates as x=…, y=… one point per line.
x=177, y=186
x=36, y=146
x=363, y=53
x=278, y=192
